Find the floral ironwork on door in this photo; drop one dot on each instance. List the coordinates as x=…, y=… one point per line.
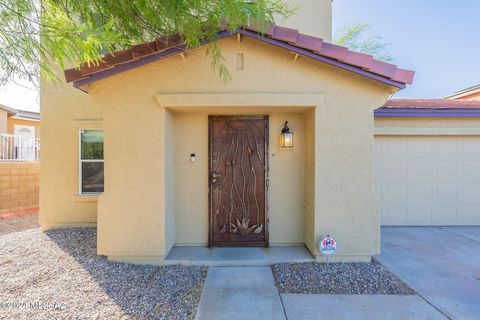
x=238, y=180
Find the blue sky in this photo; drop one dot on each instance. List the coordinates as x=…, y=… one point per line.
x=439, y=39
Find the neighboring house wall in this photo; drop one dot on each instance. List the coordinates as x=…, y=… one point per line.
x=146, y=114
x=3, y=121
x=427, y=170
x=472, y=97
x=19, y=183
x=469, y=94
x=12, y=122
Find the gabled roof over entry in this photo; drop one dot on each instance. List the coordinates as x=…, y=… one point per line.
x=289, y=39
x=429, y=108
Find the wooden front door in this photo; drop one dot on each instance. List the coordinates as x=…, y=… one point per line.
x=238, y=181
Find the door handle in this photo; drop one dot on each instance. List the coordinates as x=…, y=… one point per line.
x=214, y=176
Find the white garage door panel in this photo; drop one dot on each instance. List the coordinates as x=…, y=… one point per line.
x=431, y=180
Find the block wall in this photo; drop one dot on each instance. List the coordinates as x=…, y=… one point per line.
x=18, y=186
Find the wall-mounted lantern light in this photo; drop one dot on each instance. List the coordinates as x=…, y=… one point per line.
x=286, y=138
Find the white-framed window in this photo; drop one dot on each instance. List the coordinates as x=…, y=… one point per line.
x=91, y=162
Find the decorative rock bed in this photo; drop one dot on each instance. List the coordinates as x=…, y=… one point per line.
x=15, y=224
x=338, y=278
x=57, y=275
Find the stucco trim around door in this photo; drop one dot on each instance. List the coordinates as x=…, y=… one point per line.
x=280, y=100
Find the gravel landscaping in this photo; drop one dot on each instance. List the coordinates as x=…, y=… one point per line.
x=28, y=221
x=57, y=275
x=338, y=278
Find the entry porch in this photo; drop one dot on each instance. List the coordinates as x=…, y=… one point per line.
x=167, y=217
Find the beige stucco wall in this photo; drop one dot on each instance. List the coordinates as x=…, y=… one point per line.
x=191, y=201
x=3, y=121
x=309, y=180
x=147, y=113
x=64, y=111
x=132, y=209
x=314, y=17
x=286, y=190
x=170, y=180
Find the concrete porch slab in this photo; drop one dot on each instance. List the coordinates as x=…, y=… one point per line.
x=345, y=307
x=242, y=257
x=240, y=293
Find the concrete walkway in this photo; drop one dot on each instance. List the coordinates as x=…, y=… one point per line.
x=441, y=264
x=233, y=293
x=358, y=307
x=240, y=293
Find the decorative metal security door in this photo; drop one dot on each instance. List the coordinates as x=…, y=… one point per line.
x=238, y=181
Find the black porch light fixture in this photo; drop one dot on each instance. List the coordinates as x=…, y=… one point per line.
x=286, y=138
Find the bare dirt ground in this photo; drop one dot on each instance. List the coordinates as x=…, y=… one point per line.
x=24, y=222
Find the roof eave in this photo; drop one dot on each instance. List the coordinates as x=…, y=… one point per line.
x=26, y=117
x=409, y=112
x=126, y=67
x=80, y=84
x=324, y=59
x=10, y=111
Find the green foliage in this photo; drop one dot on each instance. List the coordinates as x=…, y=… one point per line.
x=354, y=36
x=34, y=34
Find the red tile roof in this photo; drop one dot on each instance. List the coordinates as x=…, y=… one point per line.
x=287, y=38
x=430, y=104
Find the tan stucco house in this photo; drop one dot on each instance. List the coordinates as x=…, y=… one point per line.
x=19, y=134
x=156, y=151
x=19, y=122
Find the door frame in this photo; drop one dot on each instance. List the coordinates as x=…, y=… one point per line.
x=210, y=194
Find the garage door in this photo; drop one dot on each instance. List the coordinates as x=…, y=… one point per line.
x=431, y=180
